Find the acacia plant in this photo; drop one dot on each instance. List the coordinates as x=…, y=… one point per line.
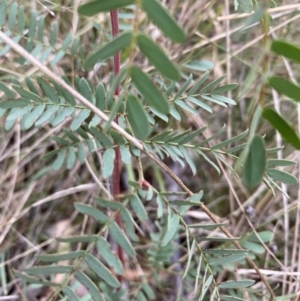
x=117, y=121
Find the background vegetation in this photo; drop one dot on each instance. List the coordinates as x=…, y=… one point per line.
x=60, y=213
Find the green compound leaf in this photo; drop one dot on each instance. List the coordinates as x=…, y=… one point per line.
x=14, y=103
x=285, y=87
x=282, y=127
x=255, y=164
x=94, y=7
x=137, y=117
x=157, y=57
x=106, y=253
x=90, y=285
x=108, y=162
x=149, y=90
x=101, y=271
x=161, y=17
x=138, y=207
x=119, y=237
x=287, y=50
x=119, y=43
x=282, y=176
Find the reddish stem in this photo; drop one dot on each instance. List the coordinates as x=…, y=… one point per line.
x=117, y=165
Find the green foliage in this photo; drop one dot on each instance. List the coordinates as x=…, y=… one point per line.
x=165, y=95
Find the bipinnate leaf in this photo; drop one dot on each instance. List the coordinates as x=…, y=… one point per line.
x=157, y=57
x=173, y=225
x=236, y=284
x=285, y=87
x=255, y=164
x=288, y=50
x=282, y=176
x=149, y=90
x=138, y=207
x=137, y=117
x=108, y=162
x=119, y=237
x=106, y=253
x=90, y=285
x=91, y=211
x=94, y=7
x=101, y=270
x=161, y=17
x=14, y=103
x=117, y=44
x=285, y=130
